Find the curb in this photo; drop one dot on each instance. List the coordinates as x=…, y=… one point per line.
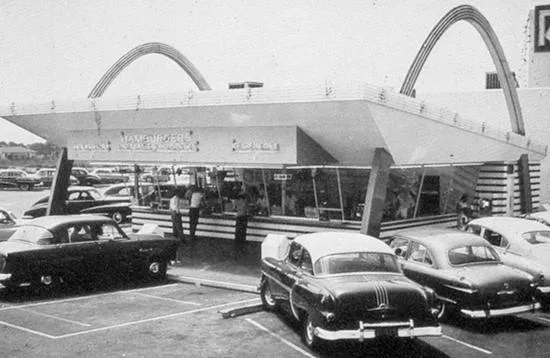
x=213, y=283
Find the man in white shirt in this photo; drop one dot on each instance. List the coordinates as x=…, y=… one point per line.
x=175, y=210
x=195, y=204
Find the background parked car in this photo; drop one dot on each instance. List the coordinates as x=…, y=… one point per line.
x=86, y=200
x=126, y=191
x=84, y=177
x=8, y=223
x=17, y=178
x=56, y=249
x=344, y=286
x=521, y=243
x=110, y=176
x=465, y=272
x=45, y=177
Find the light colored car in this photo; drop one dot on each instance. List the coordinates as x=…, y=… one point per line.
x=521, y=243
x=45, y=177
x=8, y=223
x=126, y=191
x=110, y=176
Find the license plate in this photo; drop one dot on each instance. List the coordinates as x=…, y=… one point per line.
x=386, y=332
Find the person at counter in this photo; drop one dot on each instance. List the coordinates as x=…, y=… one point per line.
x=195, y=203
x=175, y=212
x=241, y=222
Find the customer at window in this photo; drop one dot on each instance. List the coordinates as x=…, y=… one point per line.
x=241, y=222
x=196, y=201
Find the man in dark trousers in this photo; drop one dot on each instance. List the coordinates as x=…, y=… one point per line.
x=195, y=203
x=175, y=211
x=241, y=222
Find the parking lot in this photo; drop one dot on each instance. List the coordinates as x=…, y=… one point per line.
x=178, y=319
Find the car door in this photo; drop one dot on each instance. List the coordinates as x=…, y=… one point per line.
x=419, y=264
x=119, y=253
x=77, y=252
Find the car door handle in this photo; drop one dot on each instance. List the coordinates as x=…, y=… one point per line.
x=145, y=250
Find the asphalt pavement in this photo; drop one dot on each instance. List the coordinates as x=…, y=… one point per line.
x=216, y=263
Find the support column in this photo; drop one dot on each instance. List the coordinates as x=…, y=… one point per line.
x=376, y=192
x=525, y=184
x=56, y=203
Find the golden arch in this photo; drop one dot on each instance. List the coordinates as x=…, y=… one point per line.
x=145, y=49
x=482, y=25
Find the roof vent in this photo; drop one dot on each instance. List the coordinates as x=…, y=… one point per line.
x=247, y=84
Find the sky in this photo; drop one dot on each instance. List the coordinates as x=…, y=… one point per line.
x=58, y=50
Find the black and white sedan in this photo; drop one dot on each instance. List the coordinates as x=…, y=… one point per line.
x=344, y=286
x=54, y=249
x=521, y=243
x=465, y=272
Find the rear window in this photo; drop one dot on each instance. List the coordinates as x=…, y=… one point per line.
x=472, y=254
x=356, y=262
x=536, y=237
x=33, y=234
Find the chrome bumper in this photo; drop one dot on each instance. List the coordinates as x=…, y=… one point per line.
x=500, y=312
x=371, y=331
x=5, y=276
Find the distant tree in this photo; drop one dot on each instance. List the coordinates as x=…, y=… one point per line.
x=3, y=144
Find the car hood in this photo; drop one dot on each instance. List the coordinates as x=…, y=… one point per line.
x=493, y=276
x=10, y=247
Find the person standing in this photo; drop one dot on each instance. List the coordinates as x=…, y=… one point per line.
x=241, y=222
x=195, y=204
x=175, y=211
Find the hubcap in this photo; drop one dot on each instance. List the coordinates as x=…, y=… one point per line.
x=154, y=268
x=117, y=217
x=46, y=280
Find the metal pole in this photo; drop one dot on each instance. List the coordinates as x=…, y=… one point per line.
x=340, y=192
x=265, y=193
x=315, y=192
x=419, y=193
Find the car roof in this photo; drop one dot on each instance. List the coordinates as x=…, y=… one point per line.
x=441, y=239
x=52, y=221
x=507, y=225
x=320, y=244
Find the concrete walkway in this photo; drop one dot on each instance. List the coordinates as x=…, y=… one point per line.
x=213, y=262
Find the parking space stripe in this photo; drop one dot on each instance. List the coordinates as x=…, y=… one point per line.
x=167, y=299
x=468, y=345
x=151, y=319
x=55, y=317
x=84, y=297
x=27, y=330
x=288, y=343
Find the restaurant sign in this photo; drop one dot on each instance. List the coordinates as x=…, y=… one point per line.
x=216, y=145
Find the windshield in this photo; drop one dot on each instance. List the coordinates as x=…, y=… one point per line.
x=356, y=262
x=536, y=237
x=472, y=254
x=33, y=234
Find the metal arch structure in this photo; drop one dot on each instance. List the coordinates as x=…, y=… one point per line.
x=145, y=49
x=482, y=25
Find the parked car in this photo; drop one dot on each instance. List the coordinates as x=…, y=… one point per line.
x=17, y=178
x=84, y=177
x=126, y=191
x=110, y=176
x=344, y=286
x=8, y=223
x=55, y=249
x=86, y=200
x=45, y=177
x=521, y=243
x=540, y=216
x=465, y=272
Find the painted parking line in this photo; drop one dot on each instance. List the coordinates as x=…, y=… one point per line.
x=84, y=297
x=288, y=343
x=166, y=299
x=42, y=334
x=468, y=345
x=54, y=317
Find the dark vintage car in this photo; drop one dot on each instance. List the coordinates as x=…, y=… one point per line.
x=465, y=272
x=344, y=286
x=84, y=177
x=55, y=249
x=81, y=199
x=16, y=178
